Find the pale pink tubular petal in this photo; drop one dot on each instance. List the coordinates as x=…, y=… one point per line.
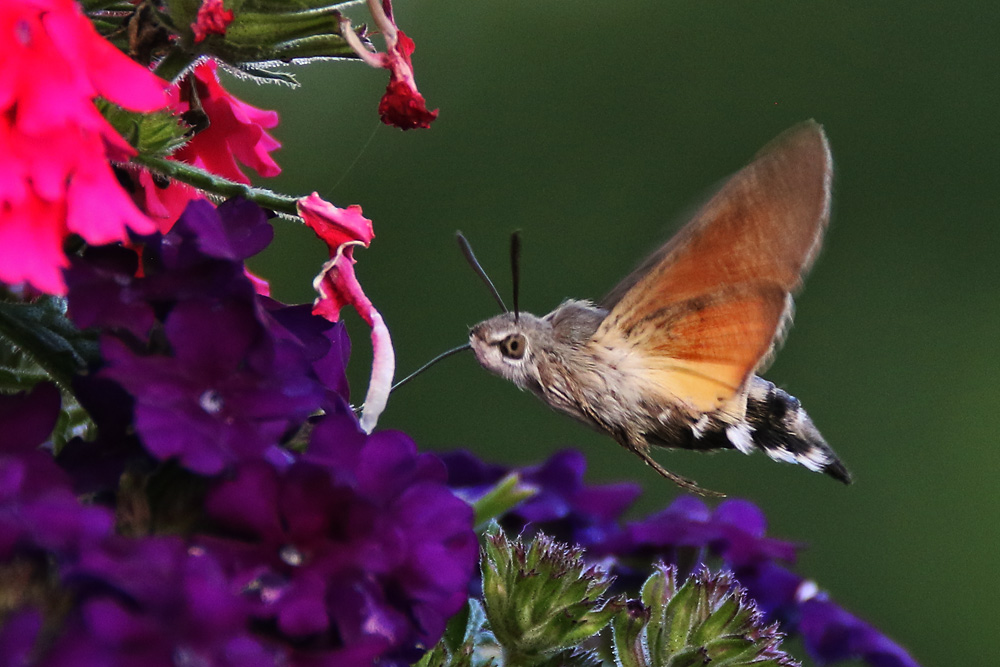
x=383, y=368
x=342, y=230
x=352, y=39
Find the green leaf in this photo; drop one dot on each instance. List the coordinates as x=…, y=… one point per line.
x=40, y=333
x=159, y=133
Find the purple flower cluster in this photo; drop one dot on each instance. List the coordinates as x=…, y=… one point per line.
x=685, y=534
x=215, y=375
x=296, y=537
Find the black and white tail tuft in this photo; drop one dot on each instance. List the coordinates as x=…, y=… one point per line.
x=783, y=430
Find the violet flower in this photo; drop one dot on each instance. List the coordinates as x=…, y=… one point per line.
x=222, y=378
x=152, y=601
x=358, y=549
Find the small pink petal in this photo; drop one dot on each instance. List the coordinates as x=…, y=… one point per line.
x=31, y=246
x=336, y=226
x=402, y=105
x=236, y=137
x=342, y=230
x=213, y=19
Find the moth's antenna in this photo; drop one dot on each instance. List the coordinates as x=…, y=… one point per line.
x=474, y=263
x=515, y=269
x=443, y=355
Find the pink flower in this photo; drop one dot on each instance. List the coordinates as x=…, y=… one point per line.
x=236, y=134
x=402, y=105
x=55, y=147
x=213, y=18
x=342, y=230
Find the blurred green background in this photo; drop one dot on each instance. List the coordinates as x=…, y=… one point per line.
x=593, y=128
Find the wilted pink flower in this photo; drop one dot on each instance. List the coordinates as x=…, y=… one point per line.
x=236, y=134
x=402, y=105
x=55, y=176
x=213, y=18
x=343, y=229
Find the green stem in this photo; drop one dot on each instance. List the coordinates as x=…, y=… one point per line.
x=209, y=182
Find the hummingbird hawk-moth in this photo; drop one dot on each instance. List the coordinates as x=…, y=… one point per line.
x=669, y=357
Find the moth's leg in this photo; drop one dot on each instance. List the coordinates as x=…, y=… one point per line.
x=641, y=449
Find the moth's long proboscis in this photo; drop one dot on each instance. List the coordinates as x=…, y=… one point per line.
x=440, y=357
x=470, y=257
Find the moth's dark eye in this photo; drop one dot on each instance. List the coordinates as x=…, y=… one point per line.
x=513, y=346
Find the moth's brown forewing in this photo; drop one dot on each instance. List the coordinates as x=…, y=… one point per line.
x=704, y=312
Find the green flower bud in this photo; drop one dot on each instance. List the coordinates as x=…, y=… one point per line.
x=541, y=598
x=708, y=620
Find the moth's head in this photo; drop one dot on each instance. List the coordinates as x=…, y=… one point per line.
x=509, y=345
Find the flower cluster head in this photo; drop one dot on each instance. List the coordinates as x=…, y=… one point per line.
x=111, y=166
x=54, y=66
x=303, y=538
x=358, y=548
x=707, y=619
x=542, y=597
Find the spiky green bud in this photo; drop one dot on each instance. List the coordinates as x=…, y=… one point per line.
x=708, y=620
x=541, y=597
